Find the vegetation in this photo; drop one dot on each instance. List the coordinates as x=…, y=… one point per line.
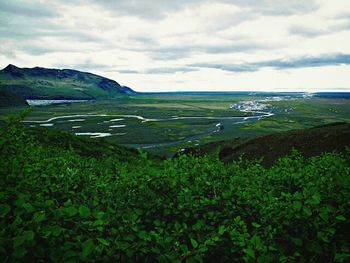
x=309, y=142
x=43, y=83
x=59, y=203
x=10, y=99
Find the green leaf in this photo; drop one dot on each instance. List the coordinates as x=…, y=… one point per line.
x=28, y=207
x=39, y=217
x=129, y=253
x=4, y=210
x=49, y=203
x=250, y=252
x=297, y=205
x=25, y=236
x=84, y=211
x=215, y=238
x=29, y=235
x=298, y=196
x=19, y=240
x=256, y=225
x=324, y=214
x=69, y=254
x=316, y=199
x=341, y=218
x=194, y=243
x=222, y=230
x=19, y=252
x=88, y=247
x=100, y=215
x=323, y=236
x=70, y=211
x=297, y=241
x=143, y=235
x=54, y=230
x=257, y=242
x=98, y=222
x=184, y=248
x=68, y=203
x=103, y=241
x=157, y=222
x=307, y=211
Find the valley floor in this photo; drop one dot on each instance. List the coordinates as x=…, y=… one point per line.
x=166, y=123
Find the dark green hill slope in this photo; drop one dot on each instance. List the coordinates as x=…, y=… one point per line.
x=82, y=146
x=10, y=99
x=309, y=142
x=43, y=83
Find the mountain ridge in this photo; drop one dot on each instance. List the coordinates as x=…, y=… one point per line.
x=51, y=83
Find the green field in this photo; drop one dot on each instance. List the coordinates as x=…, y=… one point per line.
x=163, y=132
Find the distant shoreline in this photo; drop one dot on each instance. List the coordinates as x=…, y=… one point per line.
x=252, y=93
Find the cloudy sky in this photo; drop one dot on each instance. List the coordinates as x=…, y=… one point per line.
x=172, y=45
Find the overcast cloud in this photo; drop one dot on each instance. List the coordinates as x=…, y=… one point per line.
x=161, y=45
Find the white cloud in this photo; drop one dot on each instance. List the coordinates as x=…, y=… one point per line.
x=151, y=45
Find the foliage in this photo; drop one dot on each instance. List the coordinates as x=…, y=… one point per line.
x=57, y=204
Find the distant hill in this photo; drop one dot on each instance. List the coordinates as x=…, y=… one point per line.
x=9, y=99
x=333, y=95
x=309, y=142
x=44, y=83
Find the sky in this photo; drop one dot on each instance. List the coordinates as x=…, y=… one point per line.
x=185, y=45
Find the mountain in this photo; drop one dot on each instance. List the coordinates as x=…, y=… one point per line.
x=309, y=142
x=44, y=83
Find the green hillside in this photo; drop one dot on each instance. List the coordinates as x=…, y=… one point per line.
x=43, y=83
x=69, y=199
x=309, y=142
x=10, y=99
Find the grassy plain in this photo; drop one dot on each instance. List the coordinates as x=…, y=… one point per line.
x=166, y=134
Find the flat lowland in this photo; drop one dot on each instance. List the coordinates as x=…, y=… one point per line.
x=167, y=123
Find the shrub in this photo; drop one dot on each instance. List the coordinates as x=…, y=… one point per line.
x=57, y=204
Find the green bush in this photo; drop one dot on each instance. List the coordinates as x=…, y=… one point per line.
x=58, y=204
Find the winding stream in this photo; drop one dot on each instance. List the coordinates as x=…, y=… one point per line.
x=143, y=119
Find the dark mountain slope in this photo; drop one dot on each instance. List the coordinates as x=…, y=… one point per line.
x=10, y=99
x=309, y=142
x=43, y=83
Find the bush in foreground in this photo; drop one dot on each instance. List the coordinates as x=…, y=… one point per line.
x=58, y=205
